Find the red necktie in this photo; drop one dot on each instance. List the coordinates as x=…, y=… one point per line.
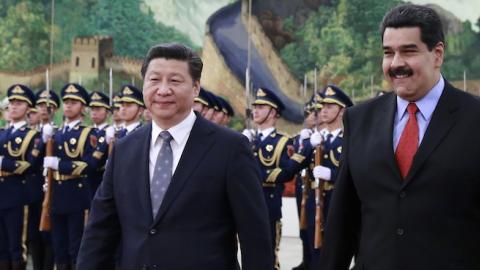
x=408, y=144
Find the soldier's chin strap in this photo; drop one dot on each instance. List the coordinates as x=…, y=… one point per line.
x=336, y=116
x=266, y=116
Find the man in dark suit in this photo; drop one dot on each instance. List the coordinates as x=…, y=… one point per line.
x=407, y=194
x=177, y=192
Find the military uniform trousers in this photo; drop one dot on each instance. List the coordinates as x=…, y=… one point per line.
x=12, y=200
x=303, y=232
x=70, y=201
x=39, y=243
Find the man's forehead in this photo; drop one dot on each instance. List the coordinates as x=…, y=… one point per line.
x=401, y=36
x=167, y=65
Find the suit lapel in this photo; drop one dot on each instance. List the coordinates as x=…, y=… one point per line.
x=142, y=158
x=199, y=142
x=384, y=122
x=442, y=121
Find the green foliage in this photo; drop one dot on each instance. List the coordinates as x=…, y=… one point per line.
x=25, y=29
x=24, y=37
x=344, y=44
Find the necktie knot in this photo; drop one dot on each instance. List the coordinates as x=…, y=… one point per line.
x=166, y=136
x=412, y=108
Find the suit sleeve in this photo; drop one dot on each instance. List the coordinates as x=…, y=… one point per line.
x=343, y=225
x=102, y=233
x=248, y=208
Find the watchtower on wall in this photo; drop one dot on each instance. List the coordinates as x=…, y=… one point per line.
x=88, y=57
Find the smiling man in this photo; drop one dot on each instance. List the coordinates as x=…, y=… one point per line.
x=403, y=199
x=178, y=191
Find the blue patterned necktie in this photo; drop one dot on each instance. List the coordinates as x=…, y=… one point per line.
x=162, y=172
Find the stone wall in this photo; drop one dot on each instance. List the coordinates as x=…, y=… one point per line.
x=124, y=64
x=34, y=78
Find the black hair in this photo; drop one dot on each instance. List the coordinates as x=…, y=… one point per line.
x=410, y=15
x=175, y=51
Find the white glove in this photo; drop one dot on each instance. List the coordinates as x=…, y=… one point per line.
x=110, y=134
x=51, y=162
x=45, y=185
x=316, y=139
x=47, y=132
x=248, y=133
x=305, y=134
x=322, y=172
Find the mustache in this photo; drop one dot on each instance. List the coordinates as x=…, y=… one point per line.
x=400, y=71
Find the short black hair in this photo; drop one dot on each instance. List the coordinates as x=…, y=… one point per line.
x=175, y=51
x=410, y=15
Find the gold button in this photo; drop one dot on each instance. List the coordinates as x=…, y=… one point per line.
x=80, y=185
x=59, y=182
x=268, y=171
x=271, y=196
x=1, y=179
x=325, y=156
x=24, y=182
x=60, y=148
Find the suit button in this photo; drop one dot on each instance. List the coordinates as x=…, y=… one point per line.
x=400, y=231
x=271, y=196
x=153, y=231
x=402, y=194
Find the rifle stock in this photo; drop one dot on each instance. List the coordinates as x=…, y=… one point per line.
x=318, y=241
x=45, y=224
x=303, y=205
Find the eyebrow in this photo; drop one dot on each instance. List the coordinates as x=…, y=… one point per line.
x=408, y=46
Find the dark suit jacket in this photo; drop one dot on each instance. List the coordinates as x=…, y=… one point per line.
x=430, y=220
x=215, y=193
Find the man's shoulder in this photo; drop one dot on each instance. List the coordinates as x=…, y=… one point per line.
x=373, y=106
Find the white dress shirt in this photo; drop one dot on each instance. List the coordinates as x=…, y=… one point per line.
x=426, y=106
x=101, y=126
x=70, y=125
x=266, y=132
x=131, y=127
x=18, y=125
x=180, y=134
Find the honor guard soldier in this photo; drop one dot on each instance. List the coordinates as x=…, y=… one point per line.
x=99, y=108
x=227, y=110
x=329, y=142
x=131, y=109
x=20, y=154
x=218, y=115
x=74, y=146
x=302, y=183
x=270, y=150
x=117, y=120
x=203, y=103
x=47, y=104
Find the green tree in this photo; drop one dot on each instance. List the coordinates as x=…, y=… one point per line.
x=24, y=38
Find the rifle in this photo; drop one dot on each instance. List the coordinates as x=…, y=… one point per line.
x=318, y=202
x=303, y=205
x=45, y=225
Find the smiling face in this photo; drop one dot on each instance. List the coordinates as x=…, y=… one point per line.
x=410, y=68
x=169, y=91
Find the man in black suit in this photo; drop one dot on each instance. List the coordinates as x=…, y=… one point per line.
x=184, y=209
x=408, y=191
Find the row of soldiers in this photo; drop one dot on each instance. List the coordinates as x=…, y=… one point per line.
x=313, y=156
x=45, y=217
x=80, y=152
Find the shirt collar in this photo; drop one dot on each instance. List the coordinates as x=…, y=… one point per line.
x=179, y=132
x=101, y=126
x=132, y=126
x=72, y=124
x=426, y=105
x=18, y=125
x=266, y=131
x=335, y=132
